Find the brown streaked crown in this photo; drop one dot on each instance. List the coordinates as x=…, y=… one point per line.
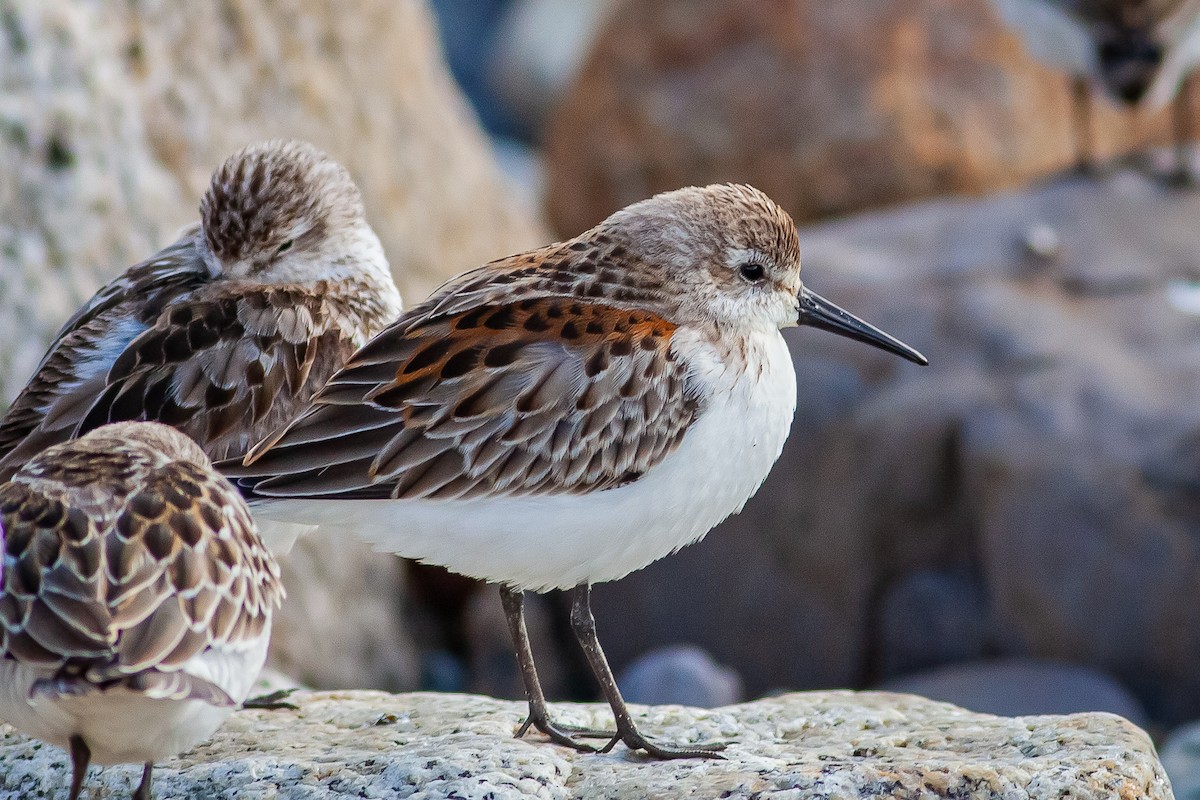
x=697, y=223
x=668, y=254
x=273, y=193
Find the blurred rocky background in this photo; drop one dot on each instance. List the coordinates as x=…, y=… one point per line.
x=1015, y=528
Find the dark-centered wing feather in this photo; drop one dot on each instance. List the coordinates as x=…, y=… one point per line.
x=119, y=570
x=223, y=361
x=544, y=395
x=74, y=369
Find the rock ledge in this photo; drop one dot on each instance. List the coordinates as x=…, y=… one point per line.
x=808, y=745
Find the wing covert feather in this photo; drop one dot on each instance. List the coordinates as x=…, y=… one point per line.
x=108, y=586
x=543, y=395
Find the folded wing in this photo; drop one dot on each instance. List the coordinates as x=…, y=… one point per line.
x=543, y=395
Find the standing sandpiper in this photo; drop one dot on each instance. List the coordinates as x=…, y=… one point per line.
x=566, y=416
x=1138, y=50
x=136, y=601
x=226, y=333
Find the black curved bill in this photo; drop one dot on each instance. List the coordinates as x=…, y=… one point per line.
x=818, y=312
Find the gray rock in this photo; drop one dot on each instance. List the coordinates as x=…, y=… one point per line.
x=819, y=745
x=524, y=171
x=929, y=618
x=1180, y=754
x=540, y=46
x=1017, y=687
x=680, y=675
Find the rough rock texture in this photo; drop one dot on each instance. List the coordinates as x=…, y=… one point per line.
x=112, y=116
x=821, y=745
x=1045, y=464
x=828, y=107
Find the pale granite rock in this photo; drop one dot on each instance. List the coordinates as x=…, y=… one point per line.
x=342, y=625
x=814, y=745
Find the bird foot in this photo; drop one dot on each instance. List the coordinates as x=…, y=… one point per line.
x=634, y=740
x=272, y=701
x=563, y=734
x=559, y=735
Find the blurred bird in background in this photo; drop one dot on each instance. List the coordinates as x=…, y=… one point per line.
x=1139, y=51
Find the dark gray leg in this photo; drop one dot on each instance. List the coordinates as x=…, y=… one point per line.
x=1181, y=126
x=143, y=790
x=80, y=756
x=539, y=716
x=1081, y=112
x=584, y=625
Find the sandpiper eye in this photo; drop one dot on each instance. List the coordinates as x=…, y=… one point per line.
x=283, y=248
x=753, y=272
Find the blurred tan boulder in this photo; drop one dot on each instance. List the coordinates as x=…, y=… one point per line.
x=828, y=107
x=112, y=116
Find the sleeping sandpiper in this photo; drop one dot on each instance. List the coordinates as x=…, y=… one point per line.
x=225, y=333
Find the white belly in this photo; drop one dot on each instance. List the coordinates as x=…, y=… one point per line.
x=560, y=541
x=123, y=727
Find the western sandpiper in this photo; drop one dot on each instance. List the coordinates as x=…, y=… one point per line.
x=1138, y=50
x=226, y=333
x=566, y=416
x=137, y=598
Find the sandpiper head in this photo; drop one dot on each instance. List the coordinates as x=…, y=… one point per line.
x=283, y=211
x=1129, y=60
x=726, y=252
x=730, y=255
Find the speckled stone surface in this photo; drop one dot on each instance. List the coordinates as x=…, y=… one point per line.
x=809, y=745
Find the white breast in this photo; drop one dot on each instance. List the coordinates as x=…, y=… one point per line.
x=560, y=541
